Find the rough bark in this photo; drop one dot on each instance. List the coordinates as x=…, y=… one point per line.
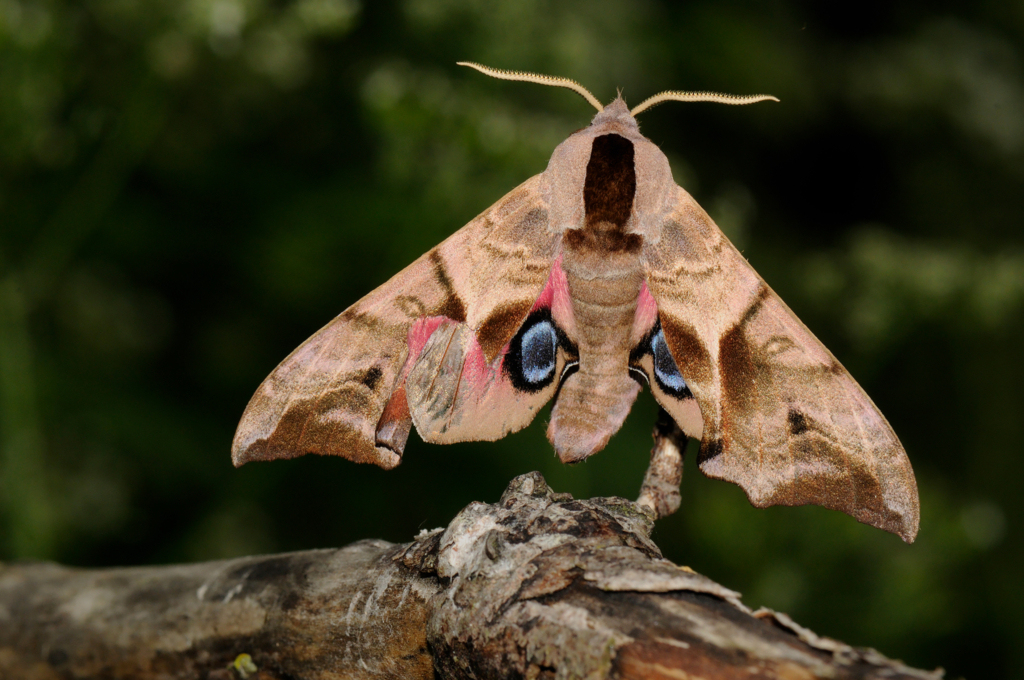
x=314, y=614
x=536, y=586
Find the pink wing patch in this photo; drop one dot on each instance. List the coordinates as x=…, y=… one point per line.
x=395, y=422
x=555, y=297
x=646, y=316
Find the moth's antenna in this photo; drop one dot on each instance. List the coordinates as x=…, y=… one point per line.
x=675, y=96
x=535, y=78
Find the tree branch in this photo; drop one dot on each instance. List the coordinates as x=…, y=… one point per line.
x=538, y=586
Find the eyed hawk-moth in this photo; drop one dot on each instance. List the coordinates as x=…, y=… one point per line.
x=588, y=280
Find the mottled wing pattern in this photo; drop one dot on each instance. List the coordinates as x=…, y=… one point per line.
x=782, y=418
x=501, y=262
x=341, y=392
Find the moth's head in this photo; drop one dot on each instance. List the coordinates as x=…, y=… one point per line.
x=616, y=113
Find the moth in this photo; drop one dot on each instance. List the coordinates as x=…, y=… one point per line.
x=581, y=285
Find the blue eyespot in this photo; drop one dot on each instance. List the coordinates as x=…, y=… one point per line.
x=665, y=369
x=533, y=353
x=538, y=346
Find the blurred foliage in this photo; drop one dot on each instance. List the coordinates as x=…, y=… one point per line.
x=190, y=188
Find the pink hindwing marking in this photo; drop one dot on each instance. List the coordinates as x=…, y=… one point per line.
x=475, y=369
x=487, y=383
x=555, y=297
x=646, y=316
x=420, y=332
x=397, y=409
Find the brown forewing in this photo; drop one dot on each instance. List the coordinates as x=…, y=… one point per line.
x=782, y=418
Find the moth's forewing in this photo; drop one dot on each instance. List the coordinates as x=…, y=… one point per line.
x=782, y=418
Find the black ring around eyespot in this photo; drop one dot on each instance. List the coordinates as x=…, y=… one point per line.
x=513, y=365
x=646, y=346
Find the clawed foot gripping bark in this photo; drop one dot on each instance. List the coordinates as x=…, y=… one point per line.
x=537, y=585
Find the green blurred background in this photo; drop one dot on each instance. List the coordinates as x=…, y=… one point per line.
x=190, y=188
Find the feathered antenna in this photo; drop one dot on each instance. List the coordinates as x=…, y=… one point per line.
x=676, y=96
x=535, y=78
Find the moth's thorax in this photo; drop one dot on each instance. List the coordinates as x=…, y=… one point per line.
x=611, y=132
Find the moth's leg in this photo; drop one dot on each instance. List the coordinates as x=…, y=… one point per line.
x=660, y=491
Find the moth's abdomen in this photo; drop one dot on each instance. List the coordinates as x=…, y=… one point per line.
x=590, y=409
x=593, y=402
